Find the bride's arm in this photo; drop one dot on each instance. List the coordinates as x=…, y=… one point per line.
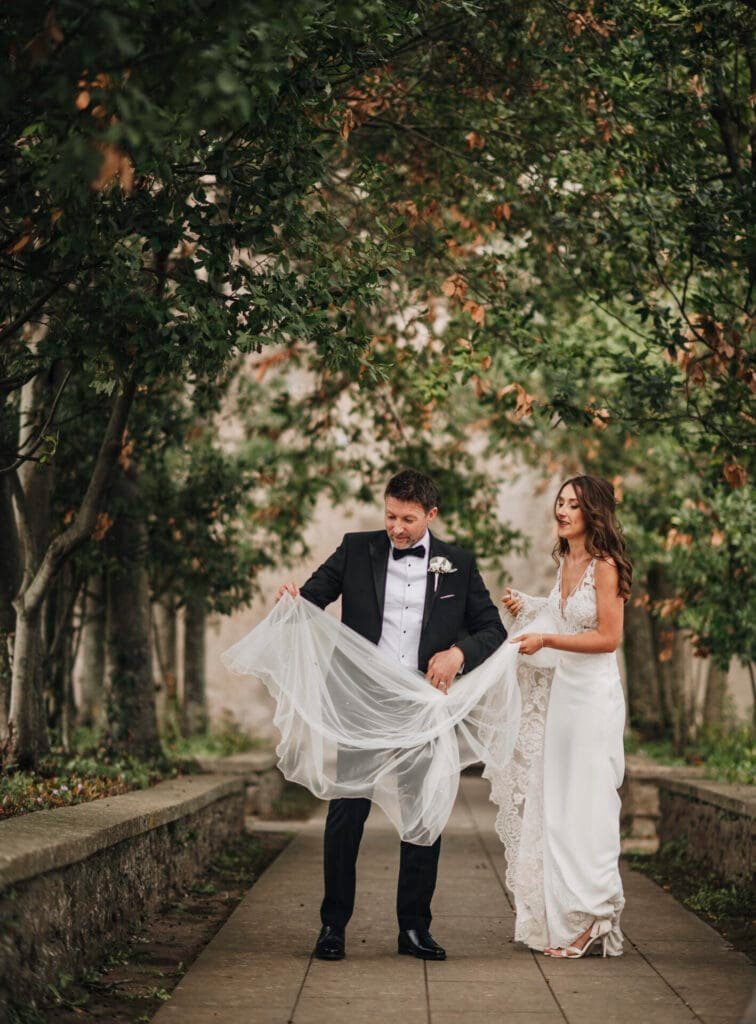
x=609, y=612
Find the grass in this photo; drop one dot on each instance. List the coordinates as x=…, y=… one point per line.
x=726, y=755
x=220, y=740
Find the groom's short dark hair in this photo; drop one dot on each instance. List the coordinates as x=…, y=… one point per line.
x=409, y=485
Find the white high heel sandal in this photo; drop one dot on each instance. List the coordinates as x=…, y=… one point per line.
x=599, y=931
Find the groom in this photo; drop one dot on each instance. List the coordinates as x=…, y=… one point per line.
x=440, y=622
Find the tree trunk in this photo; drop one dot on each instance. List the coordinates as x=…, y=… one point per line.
x=10, y=579
x=673, y=657
x=39, y=572
x=28, y=738
x=194, y=709
x=643, y=687
x=90, y=675
x=166, y=652
x=716, y=694
x=59, y=634
x=131, y=690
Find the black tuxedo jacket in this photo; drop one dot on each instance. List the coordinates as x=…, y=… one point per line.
x=459, y=611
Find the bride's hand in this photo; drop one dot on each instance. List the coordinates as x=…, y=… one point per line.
x=529, y=643
x=512, y=602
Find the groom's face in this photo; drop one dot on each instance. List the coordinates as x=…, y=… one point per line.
x=406, y=521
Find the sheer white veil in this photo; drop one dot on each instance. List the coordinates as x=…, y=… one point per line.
x=354, y=723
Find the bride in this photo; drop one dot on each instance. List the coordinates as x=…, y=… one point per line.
x=558, y=801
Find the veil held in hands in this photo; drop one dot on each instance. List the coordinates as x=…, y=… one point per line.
x=354, y=723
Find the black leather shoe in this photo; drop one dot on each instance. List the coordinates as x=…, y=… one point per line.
x=420, y=943
x=330, y=944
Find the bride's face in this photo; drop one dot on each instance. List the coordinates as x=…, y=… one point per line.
x=569, y=515
x=406, y=521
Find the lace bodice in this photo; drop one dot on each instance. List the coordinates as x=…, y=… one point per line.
x=579, y=611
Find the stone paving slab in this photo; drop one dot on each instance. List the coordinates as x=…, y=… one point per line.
x=259, y=970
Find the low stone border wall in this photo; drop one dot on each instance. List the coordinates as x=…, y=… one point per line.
x=641, y=810
x=74, y=879
x=717, y=821
x=258, y=770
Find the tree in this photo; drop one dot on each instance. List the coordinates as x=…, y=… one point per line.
x=142, y=222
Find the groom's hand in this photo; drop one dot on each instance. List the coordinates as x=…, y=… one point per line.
x=443, y=667
x=287, y=588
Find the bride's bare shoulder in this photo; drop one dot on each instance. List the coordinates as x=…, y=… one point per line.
x=606, y=569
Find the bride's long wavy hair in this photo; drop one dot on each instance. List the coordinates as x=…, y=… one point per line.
x=603, y=534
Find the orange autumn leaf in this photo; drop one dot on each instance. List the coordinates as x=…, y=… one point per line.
x=600, y=418
x=524, y=403
x=717, y=538
x=735, y=475
x=124, y=456
x=670, y=606
x=348, y=123
x=675, y=538
x=408, y=210
x=502, y=211
x=696, y=375
x=455, y=287
x=476, y=311
x=116, y=167
x=474, y=140
x=480, y=386
x=426, y=414
x=268, y=362
x=103, y=524
x=19, y=245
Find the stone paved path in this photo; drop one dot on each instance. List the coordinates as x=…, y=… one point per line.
x=258, y=969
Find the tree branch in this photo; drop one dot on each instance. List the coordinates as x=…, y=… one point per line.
x=12, y=327
x=41, y=435
x=86, y=518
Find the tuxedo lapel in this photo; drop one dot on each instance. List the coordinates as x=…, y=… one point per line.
x=431, y=590
x=379, y=551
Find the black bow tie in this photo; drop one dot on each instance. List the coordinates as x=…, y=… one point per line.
x=419, y=552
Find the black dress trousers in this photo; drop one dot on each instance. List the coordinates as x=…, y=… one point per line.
x=418, y=869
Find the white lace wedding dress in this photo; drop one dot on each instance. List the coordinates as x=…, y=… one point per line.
x=558, y=802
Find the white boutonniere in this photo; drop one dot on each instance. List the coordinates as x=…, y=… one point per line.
x=439, y=566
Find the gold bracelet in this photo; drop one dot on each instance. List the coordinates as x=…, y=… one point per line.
x=541, y=647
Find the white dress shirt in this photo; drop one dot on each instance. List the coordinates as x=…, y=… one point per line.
x=406, y=582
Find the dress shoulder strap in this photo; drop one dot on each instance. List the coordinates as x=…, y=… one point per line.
x=589, y=577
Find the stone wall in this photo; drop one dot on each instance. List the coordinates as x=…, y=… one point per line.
x=641, y=811
x=715, y=820
x=75, y=879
